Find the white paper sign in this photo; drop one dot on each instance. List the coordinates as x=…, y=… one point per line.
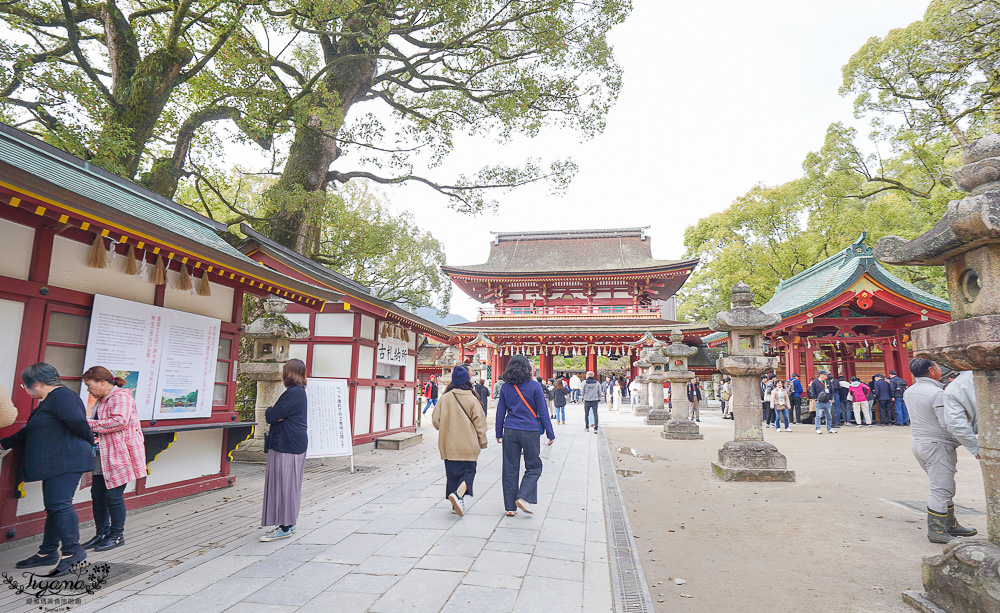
x=329, y=417
x=166, y=357
x=392, y=351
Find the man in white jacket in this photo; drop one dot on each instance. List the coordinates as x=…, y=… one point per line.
x=960, y=415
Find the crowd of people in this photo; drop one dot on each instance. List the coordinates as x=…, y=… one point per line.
x=834, y=401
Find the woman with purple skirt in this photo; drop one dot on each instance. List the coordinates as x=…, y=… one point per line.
x=286, y=444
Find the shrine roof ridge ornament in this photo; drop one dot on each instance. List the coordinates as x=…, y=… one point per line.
x=569, y=234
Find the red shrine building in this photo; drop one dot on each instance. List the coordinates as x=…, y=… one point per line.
x=571, y=293
x=847, y=315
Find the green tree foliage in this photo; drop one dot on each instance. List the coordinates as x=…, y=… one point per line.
x=927, y=91
x=101, y=79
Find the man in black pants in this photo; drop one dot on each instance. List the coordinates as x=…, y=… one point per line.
x=591, y=395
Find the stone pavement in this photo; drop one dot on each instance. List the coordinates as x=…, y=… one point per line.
x=394, y=545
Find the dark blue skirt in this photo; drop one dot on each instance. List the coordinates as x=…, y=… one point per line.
x=457, y=471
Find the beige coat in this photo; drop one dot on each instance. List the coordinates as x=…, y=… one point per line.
x=462, y=424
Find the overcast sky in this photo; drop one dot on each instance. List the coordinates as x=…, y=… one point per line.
x=714, y=101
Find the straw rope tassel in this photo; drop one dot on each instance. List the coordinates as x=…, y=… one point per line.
x=131, y=265
x=98, y=257
x=204, y=289
x=159, y=272
x=8, y=412
x=184, y=279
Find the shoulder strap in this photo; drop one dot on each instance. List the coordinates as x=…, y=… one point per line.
x=525, y=402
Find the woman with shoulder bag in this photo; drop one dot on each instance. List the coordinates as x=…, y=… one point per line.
x=462, y=426
x=521, y=418
x=286, y=443
x=119, y=455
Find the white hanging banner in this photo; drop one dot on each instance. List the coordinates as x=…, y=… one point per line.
x=167, y=358
x=329, y=419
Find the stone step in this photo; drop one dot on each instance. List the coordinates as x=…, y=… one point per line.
x=400, y=440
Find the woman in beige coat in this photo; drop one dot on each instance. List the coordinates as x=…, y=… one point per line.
x=461, y=421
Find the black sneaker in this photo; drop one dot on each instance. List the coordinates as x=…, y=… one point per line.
x=39, y=560
x=110, y=542
x=65, y=564
x=595, y=430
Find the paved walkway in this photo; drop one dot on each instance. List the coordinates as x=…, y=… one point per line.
x=393, y=545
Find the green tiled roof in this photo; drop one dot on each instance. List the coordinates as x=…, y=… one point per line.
x=829, y=278
x=71, y=173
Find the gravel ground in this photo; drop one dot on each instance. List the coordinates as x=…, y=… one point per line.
x=837, y=539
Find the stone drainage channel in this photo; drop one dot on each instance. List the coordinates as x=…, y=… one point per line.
x=628, y=582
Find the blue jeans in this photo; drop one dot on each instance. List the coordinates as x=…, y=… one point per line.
x=902, y=415
x=823, y=408
x=777, y=418
x=61, y=522
x=516, y=442
x=561, y=413
x=431, y=402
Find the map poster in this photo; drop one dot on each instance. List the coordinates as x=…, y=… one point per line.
x=187, y=367
x=329, y=419
x=166, y=357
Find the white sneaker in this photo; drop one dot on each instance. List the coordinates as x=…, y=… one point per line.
x=275, y=535
x=457, y=504
x=524, y=505
x=819, y=432
x=777, y=429
x=834, y=431
x=788, y=429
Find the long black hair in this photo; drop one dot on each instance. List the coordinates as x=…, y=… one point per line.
x=518, y=371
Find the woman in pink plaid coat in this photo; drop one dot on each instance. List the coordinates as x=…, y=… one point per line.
x=119, y=454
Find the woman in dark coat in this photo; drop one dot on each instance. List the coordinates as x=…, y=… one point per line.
x=559, y=394
x=58, y=449
x=286, y=444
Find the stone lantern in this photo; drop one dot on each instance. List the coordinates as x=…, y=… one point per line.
x=967, y=242
x=272, y=334
x=680, y=426
x=747, y=457
x=658, y=414
x=642, y=407
x=447, y=362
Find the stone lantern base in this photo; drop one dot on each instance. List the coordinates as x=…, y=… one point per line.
x=657, y=417
x=682, y=430
x=752, y=461
x=965, y=577
x=641, y=409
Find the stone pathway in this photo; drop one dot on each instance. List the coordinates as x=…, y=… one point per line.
x=393, y=545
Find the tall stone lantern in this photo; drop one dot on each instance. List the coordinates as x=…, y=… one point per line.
x=680, y=426
x=658, y=414
x=642, y=407
x=748, y=457
x=272, y=334
x=966, y=241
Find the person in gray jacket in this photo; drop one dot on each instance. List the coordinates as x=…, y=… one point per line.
x=960, y=416
x=934, y=448
x=591, y=390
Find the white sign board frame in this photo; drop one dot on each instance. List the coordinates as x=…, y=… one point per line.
x=392, y=351
x=329, y=419
x=166, y=354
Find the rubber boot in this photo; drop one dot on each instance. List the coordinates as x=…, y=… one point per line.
x=957, y=529
x=102, y=533
x=115, y=538
x=937, y=527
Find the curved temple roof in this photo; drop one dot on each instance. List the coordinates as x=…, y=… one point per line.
x=570, y=251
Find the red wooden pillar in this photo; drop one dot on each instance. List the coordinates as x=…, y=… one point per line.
x=592, y=361
x=887, y=357
x=545, y=366
x=810, y=366
x=792, y=360
x=903, y=357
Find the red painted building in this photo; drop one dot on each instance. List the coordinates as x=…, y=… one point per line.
x=571, y=293
x=54, y=208
x=847, y=315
